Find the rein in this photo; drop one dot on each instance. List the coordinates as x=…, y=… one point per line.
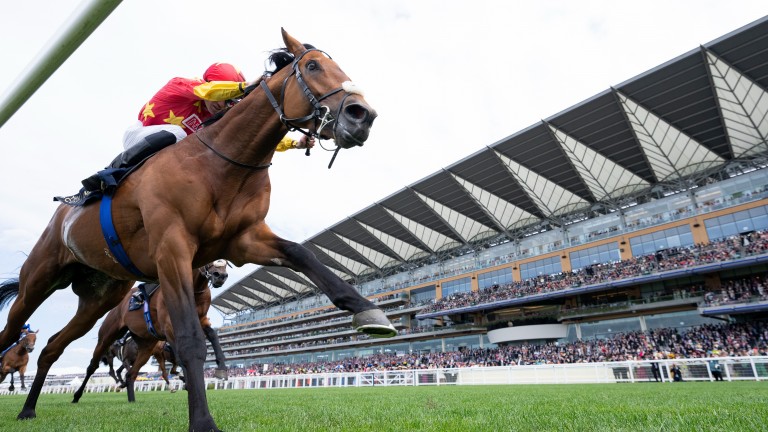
x=233, y=162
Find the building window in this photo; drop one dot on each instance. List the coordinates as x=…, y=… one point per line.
x=456, y=286
x=650, y=243
x=736, y=223
x=595, y=255
x=542, y=267
x=496, y=277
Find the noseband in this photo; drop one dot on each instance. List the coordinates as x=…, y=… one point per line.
x=210, y=275
x=321, y=114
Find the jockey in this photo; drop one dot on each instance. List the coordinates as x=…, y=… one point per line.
x=25, y=330
x=183, y=104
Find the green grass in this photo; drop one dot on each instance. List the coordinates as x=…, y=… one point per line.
x=737, y=406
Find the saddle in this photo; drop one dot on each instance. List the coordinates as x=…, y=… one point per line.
x=143, y=294
x=107, y=180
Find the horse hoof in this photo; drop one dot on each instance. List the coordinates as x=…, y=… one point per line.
x=374, y=323
x=26, y=414
x=221, y=374
x=173, y=390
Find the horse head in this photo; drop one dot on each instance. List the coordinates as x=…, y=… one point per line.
x=322, y=98
x=216, y=272
x=28, y=341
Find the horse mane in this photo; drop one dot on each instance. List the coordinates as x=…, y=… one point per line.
x=279, y=58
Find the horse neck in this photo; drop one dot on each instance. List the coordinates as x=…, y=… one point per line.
x=251, y=129
x=200, y=284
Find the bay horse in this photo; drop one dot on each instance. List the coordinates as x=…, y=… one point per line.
x=120, y=320
x=15, y=359
x=203, y=198
x=128, y=354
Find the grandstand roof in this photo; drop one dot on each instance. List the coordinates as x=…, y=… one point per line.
x=699, y=115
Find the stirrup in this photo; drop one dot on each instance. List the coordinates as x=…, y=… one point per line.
x=374, y=323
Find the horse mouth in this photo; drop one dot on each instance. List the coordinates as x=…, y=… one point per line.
x=346, y=138
x=30, y=349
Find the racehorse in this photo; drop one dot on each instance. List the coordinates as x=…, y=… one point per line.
x=121, y=319
x=16, y=359
x=127, y=353
x=203, y=198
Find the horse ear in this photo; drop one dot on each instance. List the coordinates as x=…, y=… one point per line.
x=294, y=46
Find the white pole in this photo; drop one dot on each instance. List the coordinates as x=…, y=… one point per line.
x=88, y=16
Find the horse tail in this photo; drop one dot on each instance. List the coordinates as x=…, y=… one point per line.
x=9, y=289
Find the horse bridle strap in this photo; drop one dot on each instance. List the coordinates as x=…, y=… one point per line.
x=233, y=162
x=320, y=113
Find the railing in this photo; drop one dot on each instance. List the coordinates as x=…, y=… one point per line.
x=754, y=368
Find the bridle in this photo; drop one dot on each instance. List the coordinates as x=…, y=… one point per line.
x=320, y=113
x=209, y=274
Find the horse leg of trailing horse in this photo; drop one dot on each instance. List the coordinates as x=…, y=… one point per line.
x=213, y=338
x=89, y=309
x=11, y=387
x=119, y=375
x=100, y=352
x=109, y=332
x=163, y=370
x=22, y=370
x=367, y=319
x=142, y=356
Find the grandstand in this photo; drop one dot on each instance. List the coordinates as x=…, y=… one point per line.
x=640, y=209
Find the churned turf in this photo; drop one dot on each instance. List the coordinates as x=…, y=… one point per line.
x=737, y=406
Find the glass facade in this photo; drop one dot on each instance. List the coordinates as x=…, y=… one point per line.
x=546, y=266
x=672, y=237
x=608, y=328
x=595, y=255
x=456, y=286
x=496, y=277
x=422, y=295
x=732, y=224
x=679, y=320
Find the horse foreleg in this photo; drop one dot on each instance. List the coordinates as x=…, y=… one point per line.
x=189, y=344
x=11, y=387
x=367, y=317
x=213, y=338
x=22, y=371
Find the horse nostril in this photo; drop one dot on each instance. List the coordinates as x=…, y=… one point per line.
x=356, y=112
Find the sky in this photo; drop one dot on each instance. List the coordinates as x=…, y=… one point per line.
x=446, y=77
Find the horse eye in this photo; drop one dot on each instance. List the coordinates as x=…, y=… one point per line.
x=312, y=65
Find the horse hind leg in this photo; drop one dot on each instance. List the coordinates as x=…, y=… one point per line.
x=41, y=275
x=90, y=308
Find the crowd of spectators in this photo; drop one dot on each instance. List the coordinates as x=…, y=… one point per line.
x=736, y=339
x=665, y=260
x=739, y=291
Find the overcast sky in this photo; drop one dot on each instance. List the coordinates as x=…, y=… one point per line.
x=446, y=77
